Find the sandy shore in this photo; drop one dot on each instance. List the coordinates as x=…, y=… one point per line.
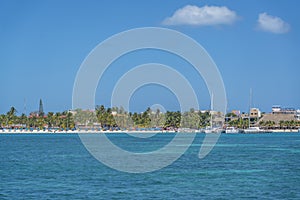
x=285, y=131
x=75, y=131
x=17, y=131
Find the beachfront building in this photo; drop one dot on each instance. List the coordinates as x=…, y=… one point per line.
x=276, y=109
x=288, y=111
x=233, y=115
x=73, y=112
x=255, y=113
x=281, y=118
x=297, y=115
x=236, y=112
x=244, y=116
x=279, y=110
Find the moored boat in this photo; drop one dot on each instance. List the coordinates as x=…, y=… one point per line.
x=232, y=130
x=213, y=130
x=253, y=130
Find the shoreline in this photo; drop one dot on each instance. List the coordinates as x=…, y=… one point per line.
x=129, y=131
x=76, y=132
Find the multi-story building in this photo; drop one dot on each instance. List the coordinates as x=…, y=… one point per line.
x=255, y=113
x=236, y=112
x=278, y=110
x=297, y=115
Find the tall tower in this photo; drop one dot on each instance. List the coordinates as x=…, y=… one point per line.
x=41, y=109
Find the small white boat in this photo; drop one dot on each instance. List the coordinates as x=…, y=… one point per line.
x=213, y=130
x=232, y=130
x=253, y=130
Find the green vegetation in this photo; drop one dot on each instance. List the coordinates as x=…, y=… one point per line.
x=114, y=117
x=244, y=123
x=58, y=120
x=106, y=118
x=239, y=123
x=118, y=118
x=267, y=124
x=289, y=124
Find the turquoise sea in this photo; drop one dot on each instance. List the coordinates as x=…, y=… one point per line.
x=241, y=166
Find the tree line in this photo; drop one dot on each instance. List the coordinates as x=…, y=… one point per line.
x=112, y=118
x=108, y=118
x=59, y=120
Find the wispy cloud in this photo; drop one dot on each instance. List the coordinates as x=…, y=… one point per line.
x=272, y=24
x=202, y=16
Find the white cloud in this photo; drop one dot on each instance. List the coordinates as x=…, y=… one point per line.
x=272, y=24
x=201, y=16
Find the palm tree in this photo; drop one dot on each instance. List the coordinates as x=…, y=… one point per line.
x=2, y=120
x=32, y=121
x=101, y=115
x=204, y=119
x=57, y=120
x=269, y=124
x=287, y=124
x=23, y=119
x=41, y=122
x=157, y=119
x=281, y=124
x=50, y=119
x=70, y=121
x=190, y=119
x=173, y=119
x=262, y=124
x=12, y=111
x=11, y=116
x=292, y=124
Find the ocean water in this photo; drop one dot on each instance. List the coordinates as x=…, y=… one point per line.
x=241, y=166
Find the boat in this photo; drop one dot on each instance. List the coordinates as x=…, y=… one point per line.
x=254, y=129
x=231, y=129
x=211, y=128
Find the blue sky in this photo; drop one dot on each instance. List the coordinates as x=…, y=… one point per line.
x=255, y=44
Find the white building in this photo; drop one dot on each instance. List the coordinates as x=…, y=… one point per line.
x=276, y=109
x=255, y=113
x=297, y=116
